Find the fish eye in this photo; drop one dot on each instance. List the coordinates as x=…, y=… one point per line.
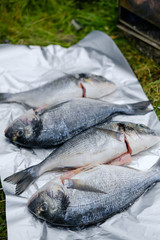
x=20, y=133
x=44, y=207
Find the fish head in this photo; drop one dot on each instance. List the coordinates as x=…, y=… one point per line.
x=133, y=129
x=24, y=128
x=95, y=86
x=139, y=137
x=49, y=204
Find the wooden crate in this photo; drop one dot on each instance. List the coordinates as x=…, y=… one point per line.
x=141, y=18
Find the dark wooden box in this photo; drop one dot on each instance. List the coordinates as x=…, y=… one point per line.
x=141, y=18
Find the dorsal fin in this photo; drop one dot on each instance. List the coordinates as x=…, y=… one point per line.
x=40, y=111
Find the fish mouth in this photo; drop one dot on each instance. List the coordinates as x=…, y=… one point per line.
x=34, y=202
x=6, y=130
x=33, y=208
x=36, y=215
x=32, y=205
x=10, y=135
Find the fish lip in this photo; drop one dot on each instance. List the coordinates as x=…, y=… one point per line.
x=6, y=131
x=34, y=213
x=9, y=135
x=29, y=205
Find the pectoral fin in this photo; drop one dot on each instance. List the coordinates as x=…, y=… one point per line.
x=47, y=107
x=83, y=90
x=81, y=185
x=72, y=173
x=121, y=160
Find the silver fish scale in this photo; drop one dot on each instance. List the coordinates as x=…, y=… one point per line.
x=72, y=118
x=90, y=140
x=87, y=148
x=122, y=187
x=49, y=93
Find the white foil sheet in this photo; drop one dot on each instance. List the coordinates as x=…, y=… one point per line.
x=26, y=67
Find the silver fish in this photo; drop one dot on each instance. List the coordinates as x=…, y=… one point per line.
x=67, y=87
x=53, y=125
x=98, y=145
x=119, y=188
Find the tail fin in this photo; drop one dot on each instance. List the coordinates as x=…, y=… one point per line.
x=137, y=108
x=4, y=97
x=23, y=178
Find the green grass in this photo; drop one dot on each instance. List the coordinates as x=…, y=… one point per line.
x=49, y=22
x=3, y=229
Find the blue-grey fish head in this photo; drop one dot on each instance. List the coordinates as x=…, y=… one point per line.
x=23, y=129
x=49, y=205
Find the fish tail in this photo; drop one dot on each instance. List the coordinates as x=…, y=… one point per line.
x=4, y=97
x=137, y=108
x=23, y=178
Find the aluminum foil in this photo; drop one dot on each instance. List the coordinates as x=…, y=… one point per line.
x=26, y=67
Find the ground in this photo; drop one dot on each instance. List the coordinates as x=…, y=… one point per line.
x=46, y=22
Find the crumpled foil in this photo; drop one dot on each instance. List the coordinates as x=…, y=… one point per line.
x=26, y=67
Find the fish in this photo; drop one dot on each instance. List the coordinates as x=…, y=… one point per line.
x=101, y=144
x=66, y=87
x=80, y=206
x=54, y=124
